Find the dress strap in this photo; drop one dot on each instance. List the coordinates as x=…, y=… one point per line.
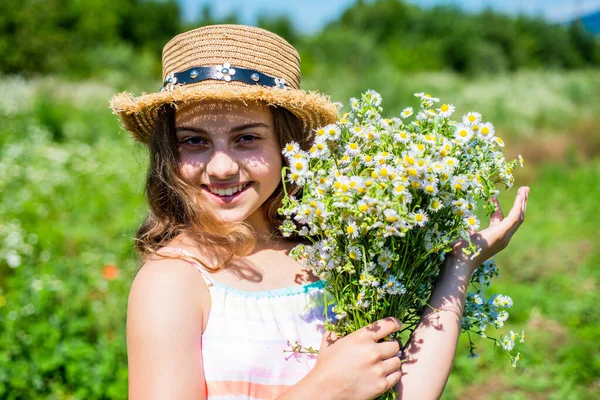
x=188, y=257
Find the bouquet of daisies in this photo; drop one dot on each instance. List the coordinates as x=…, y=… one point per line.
x=382, y=201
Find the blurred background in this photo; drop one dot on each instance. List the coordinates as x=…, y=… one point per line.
x=71, y=181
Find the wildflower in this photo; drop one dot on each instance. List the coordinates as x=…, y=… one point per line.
x=110, y=272
x=332, y=132
x=499, y=141
x=407, y=112
x=320, y=134
x=516, y=359
x=463, y=133
x=290, y=149
x=472, y=118
x=353, y=148
x=521, y=161
x=487, y=131
x=402, y=137
x=435, y=204
x=471, y=222
x=507, y=343
x=372, y=98
x=352, y=230
x=391, y=215
x=446, y=110
x=420, y=218
x=354, y=253
x=431, y=189
x=299, y=166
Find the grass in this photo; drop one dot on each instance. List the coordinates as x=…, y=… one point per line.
x=71, y=190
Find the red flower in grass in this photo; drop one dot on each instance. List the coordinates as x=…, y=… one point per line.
x=110, y=272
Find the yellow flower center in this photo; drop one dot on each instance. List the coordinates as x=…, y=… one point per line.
x=444, y=107
x=299, y=165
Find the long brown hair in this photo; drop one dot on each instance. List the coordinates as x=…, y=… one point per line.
x=176, y=205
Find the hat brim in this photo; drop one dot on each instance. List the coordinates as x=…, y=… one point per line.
x=139, y=115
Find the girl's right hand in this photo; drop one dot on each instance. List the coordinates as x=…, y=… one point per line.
x=358, y=366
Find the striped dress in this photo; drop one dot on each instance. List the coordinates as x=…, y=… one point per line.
x=247, y=345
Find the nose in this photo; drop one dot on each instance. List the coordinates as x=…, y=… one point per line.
x=222, y=165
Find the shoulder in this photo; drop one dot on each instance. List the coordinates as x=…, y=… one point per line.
x=164, y=326
x=167, y=288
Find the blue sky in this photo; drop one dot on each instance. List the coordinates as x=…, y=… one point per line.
x=311, y=15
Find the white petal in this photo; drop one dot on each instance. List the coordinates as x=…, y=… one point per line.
x=231, y=71
x=227, y=78
x=226, y=65
x=219, y=75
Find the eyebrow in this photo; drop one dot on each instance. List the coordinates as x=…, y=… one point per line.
x=235, y=129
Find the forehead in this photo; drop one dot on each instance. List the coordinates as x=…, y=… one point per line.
x=207, y=113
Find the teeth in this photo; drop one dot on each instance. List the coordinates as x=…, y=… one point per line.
x=228, y=191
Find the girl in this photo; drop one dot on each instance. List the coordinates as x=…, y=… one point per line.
x=218, y=309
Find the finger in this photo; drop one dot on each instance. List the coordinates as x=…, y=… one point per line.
x=513, y=216
x=392, y=364
x=497, y=215
x=383, y=327
x=388, y=348
x=393, y=378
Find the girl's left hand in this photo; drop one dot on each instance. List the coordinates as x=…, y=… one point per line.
x=497, y=235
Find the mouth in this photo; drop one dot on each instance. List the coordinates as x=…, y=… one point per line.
x=229, y=194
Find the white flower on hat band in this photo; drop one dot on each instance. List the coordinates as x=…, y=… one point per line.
x=171, y=81
x=280, y=83
x=224, y=71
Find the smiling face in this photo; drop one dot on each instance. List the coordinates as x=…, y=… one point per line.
x=231, y=151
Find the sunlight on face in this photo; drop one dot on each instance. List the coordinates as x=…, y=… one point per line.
x=228, y=146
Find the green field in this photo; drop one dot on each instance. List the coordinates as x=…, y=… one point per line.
x=71, y=197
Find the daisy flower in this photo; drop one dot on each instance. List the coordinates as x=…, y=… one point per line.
x=355, y=104
x=354, y=252
x=446, y=110
x=353, y=148
x=352, y=230
x=420, y=218
x=332, y=132
x=471, y=222
x=407, y=112
x=486, y=131
x=472, y=118
x=521, y=160
x=499, y=141
x=435, y=204
x=290, y=149
x=463, y=133
x=319, y=150
x=299, y=165
x=402, y=137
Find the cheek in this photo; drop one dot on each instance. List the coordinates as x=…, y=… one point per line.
x=265, y=164
x=189, y=169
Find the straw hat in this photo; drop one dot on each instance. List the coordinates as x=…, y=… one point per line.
x=226, y=62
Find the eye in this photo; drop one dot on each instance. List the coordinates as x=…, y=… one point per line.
x=247, y=138
x=193, y=141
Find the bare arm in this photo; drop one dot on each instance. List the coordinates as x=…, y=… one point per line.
x=164, y=327
x=430, y=351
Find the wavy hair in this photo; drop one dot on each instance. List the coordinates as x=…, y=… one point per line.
x=176, y=205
